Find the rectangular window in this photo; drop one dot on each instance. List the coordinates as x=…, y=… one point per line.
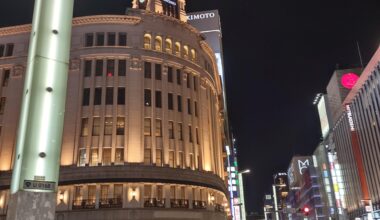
x=172, y=192
x=147, y=191
x=110, y=68
x=104, y=189
x=195, y=83
x=89, y=40
x=99, y=68
x=2, y=104
x=119, y=156
x=158, y=99
x=188, y=80
x=2, y=49
x=118, y=192
x=181, y=160
x=78, y=195
x=171, y=130
x=180, y=131
x=122, y=39
x=147, y=70
x=192, y=161
x=121, y=96
x=87, y=68
x=91, y=194
x=94, y=157
x=147, y=157
x=147, y=127
x=108, y=124
x=86, y=97
x=120, y=125
x=106, y=156
x=196, y=109
x=84, y=127
x=179, y=80
x=196, y=135
x=122, y=68
x=160, y=192
x=147, y=97
x=82, y=157
x=109, y=96
x=189, y=106
x=158, y=71
x=98, y=96
x=158, y=157
x=96, y=126
x=170, y=101
x=99, y=39
x=6, y=75
x=111, y=41
x=179, y=103
x=171, y=159
x=170, y=74
x=190, y=134
x=158, y=128
x=9, y=50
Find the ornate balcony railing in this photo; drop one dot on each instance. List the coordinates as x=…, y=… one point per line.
x=154, y=203
x=179, y=203
x=111, y=203
x=199, y=204
x=84, y=204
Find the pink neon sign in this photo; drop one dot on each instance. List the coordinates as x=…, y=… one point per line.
x=349, y=80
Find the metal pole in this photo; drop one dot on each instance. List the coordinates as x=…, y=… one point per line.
x=242, y=199
x=275, y=201
x=36, y=169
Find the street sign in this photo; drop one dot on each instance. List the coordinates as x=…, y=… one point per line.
x=39, y=185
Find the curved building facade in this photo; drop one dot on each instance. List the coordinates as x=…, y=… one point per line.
x=143, y=126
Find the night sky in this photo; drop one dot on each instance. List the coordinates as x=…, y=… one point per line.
x=278, y=55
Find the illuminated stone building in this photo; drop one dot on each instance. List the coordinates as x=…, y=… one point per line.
x=143, y=124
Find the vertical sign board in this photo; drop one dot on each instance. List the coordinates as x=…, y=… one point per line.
x=323, y=116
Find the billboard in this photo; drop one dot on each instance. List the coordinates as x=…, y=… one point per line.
x=298, y=167
x=323, y=116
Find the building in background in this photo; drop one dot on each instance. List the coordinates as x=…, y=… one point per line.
x=280, y=190
x=143, y=134
x=269, y=210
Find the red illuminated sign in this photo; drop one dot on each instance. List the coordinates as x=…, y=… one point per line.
x=349, y=80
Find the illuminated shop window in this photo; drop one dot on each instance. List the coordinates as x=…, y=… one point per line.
x=120, y=125
x=160, y=192
x=168, y=45
x=6, y=75
x=122, y=68
x=108, y=124
x=78, y=195
x=158, y=99
x=122, y=39
x=118, y=192
x=84, y=127
x=104, y=192
x=111, y=39
x=147, y=41
x=158, y=43
x=177, y=49
x=147, y=70
x=147, y=127
x=94, y=157
x=106, y=156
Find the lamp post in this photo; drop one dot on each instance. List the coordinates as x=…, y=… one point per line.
x=275, y=198
x=241, y=192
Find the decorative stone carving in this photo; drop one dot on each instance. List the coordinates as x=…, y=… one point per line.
x=74, y=64
x=135, y=63
x=18, y=70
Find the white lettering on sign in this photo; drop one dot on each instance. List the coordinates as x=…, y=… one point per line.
x=350, y=119
x=170, y=2
x=303, y=165
x=201, y=16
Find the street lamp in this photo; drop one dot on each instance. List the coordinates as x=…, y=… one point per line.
x=241, y=192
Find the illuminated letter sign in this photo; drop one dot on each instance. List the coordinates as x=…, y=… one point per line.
x=201, y=16
x=303, y=165
x=349, y=80
x=350, y=119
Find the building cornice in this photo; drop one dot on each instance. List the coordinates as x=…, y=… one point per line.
x=87, y=20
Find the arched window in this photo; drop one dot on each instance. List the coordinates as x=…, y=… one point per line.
x=177, y=49
x=168, y=45
x=158, y=43
x=186, y=51
x=193, y=55
x=147, y=41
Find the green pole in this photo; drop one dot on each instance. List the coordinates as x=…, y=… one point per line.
x=36, y=167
